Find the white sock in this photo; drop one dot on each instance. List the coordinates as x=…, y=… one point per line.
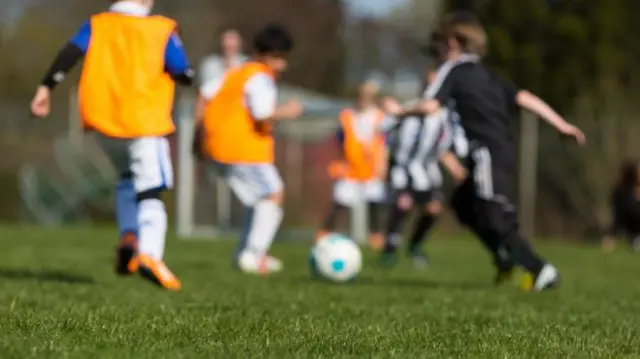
x=152, y=221
x=267, y=216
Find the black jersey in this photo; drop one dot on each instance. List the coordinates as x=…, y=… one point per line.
x=484, y=101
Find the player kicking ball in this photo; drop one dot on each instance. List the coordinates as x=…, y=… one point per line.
x=485, y=104
x=363, y=149
x=132, y=61
x=235, y=117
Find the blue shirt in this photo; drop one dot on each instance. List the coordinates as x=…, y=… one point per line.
x=175, y=58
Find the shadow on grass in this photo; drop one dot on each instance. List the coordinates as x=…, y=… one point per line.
x=46, y=275
x=417, y=283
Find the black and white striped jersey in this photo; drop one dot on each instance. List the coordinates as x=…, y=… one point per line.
x=416, y=145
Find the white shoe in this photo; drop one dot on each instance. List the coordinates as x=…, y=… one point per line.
x=547, y=278
x=250, y=262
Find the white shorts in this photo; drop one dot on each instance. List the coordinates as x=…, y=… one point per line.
x=147, y=160
x=346, y=192
x=250, y=182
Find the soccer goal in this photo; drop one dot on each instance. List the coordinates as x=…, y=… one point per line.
x=205, y=206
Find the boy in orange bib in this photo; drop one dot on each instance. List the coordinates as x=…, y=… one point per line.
x=364, y=152
x=131, y=62
x=235, y=119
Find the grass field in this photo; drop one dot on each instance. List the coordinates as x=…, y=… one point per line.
x=59, y=299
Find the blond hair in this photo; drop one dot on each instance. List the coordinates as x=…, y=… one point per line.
x=467, y=30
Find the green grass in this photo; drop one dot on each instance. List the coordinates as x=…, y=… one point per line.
x=59, y=299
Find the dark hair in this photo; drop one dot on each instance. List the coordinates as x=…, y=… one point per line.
x=628, y=176
x=436, y=49
x=273, y=38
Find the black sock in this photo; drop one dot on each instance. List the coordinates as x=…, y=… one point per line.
x=394, y=228
x=423, y=225
x=335, y=213
x=523, y=253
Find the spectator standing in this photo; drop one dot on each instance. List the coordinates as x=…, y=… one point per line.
x=214, y=66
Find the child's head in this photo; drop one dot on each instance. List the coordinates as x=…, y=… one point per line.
x=461, y=32
x=368, y=92
x=272, y=45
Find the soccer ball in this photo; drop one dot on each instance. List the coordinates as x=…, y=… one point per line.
x=336, y=257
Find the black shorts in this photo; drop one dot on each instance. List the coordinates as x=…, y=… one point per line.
x=418, y=198
x=483, y=200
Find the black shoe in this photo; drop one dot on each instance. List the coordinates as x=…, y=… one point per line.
x=126, y=262
x=505, y=269
x=388, y=258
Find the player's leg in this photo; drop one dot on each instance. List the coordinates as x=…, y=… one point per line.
x=497, y=216
x=400, y=205
x=464, y=203
x=150, y=165
x=117, y=150
x=127, y=220
x=430, y=206
x=375, y=194
x=343, y=198
x=259, y=187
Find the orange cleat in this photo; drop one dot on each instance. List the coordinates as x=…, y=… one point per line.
x=321, y=233
x=157, y=272
x=126, y=261
x=376, y=241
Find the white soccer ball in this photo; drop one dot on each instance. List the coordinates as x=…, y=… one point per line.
x=336, y=257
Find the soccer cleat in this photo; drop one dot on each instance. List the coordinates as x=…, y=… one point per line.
x=504, y=275
x=157, y=272
x=376, y=241
x=249, y=262
x=548, y=278
x=388, y=258
x=419, y=259
x=126, y=261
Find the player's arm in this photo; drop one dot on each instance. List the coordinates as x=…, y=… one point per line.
x=176, y=61
x=206, y=93
x=436, y=94
x=64, y=62
x=533, y=103
x=262, y=99
x=453, y=166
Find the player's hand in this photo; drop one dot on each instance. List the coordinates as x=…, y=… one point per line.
x=41, y=103
x=391, y=106
x=459, y=174
x=574, y=132
x=291, y=110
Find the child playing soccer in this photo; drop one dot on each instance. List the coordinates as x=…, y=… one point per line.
x=485, y=104
x=131, y=62
x=419, y=146
x=236, y=116
x=363, y=150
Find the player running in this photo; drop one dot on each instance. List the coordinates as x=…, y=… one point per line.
x=485, y=104
x=131, y=62
x=236, y=116
x=418, y=146
x=364, y=165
